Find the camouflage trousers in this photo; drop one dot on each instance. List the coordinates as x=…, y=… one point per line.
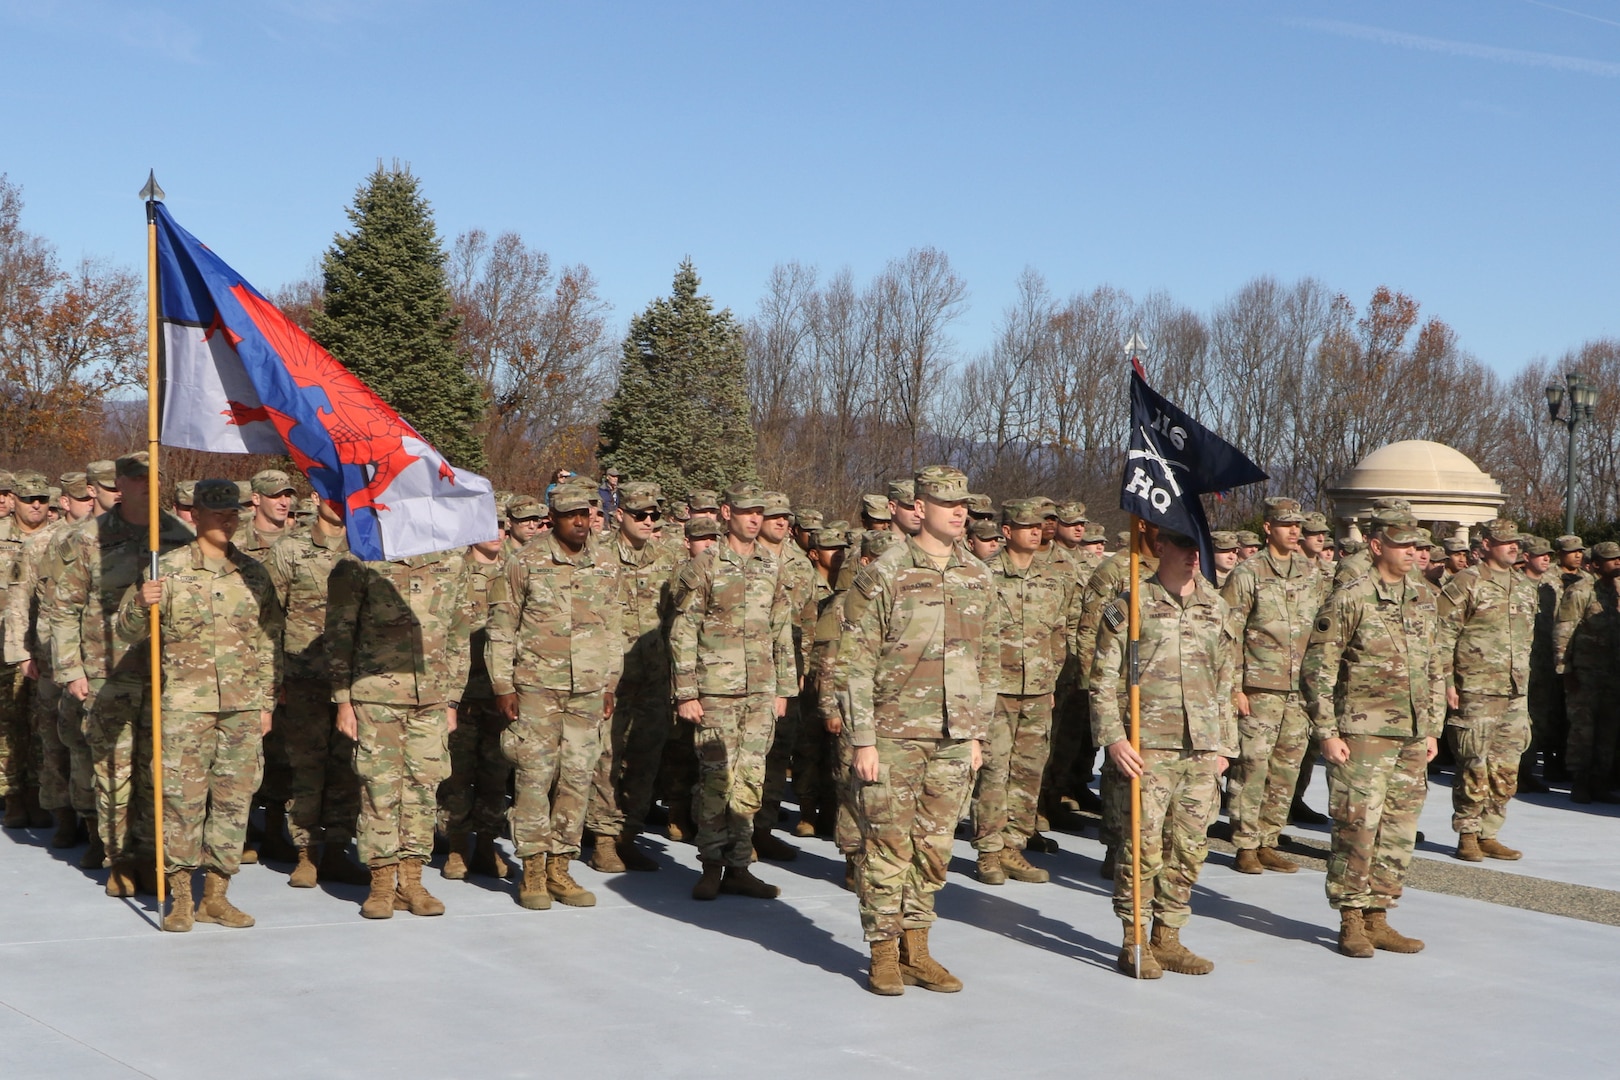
x=731, y=743
x=678, y=770
x=1271, y=747
x=401, y=758
x=1549, y=721
x=1114, y=792
x=1008, y=787
x=70, y=721
x=1180, y=797
x=320, y=789
x=1594, y=729
x=118, y=727
x=783, y=739
x=473, y=798
x=53, y=762
x=1487, y=752
x=1072, y=746
x=907, y=820
x=212, y=764
x=1374, y=799
x=845, y=788
x=553, y=746
x=16, y=755
x=627, y=770
x=814, y=757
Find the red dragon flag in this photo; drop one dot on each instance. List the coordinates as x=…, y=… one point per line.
x=239, y=377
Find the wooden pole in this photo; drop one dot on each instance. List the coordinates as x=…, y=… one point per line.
x=152, y=531
x=1135, y=692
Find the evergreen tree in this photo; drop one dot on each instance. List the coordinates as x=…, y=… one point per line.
x=387, y=315
x=680, y=414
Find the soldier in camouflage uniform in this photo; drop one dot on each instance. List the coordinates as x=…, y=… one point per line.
x=799, y=579
x=99, y=560
x=272, y=495
x=524, y=516
x=1586, y=640
x=1273, y=598
x=1484, y=638
x=903, y=512
x=1068, y=781
x=20, y=750
x=815, y=755
x=1545, y=699
x=1186, y=664
x=920, y=657
x=556, y=650
x=1034, y=599
x=397, y=644
x=875, y=513
x=805, y=524
x=623, y=786
x=1374, y=689
x=731, y=651
x=322, y=792
x=220, y=636
x=678, y=771
x=1225, y=546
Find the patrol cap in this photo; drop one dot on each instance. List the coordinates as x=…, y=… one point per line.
x=875, y=542
x=502, y=498
x=309, y=507
x=984, y=529
x=1071, y=513
x=103, y=474
x=245, y=487
x=1535, y=545
x=1283, y=511
x=829, y=538
x=1096, y=533
x=1399, y=532
x=1122, y=539
x=1315, y=523
x=1501, y=531
x=875, y=508
x=942, y=484
x=525, y=508
x=272, y=482
x=1425, y=539
x=980, y=506
x=185, y=492
x=135, y=465
x=746, y=497
x=1351, y=546
x=703, y=499
x=810, y=520
x=1391, y=515
x=638, y=497
x=54, y=493
x=1023, y=511
x=1452, y=546
x=1224, y=541
x=680, y=510
x=1245, y=538
x=31, y=485
x=777, y=504
x=1048, y=507
x=215, y=494
x=704, y=528
x=566, y=499
x=1180, y=539
x=1569, y=542
x=74, y=485
x=902, y=492
x=7, y=481
x=1392, y=502
x=1606, y=550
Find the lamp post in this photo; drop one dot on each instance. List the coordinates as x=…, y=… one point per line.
x=1576, y=399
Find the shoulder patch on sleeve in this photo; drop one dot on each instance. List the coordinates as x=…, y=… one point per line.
x=690, y=576
x=1456, y=590
x=869, y=582
x=1114, y=615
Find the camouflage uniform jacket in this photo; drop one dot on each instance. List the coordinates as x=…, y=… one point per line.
x=1549, y=593
x=99, y=560
x=920, y=649
x=1371, y=667
x=732, y=631
x=644, y=594
x=799, y=578
x=831, y=689
x=300, y=566
x=256, y=543
x=486, y=582
x=221, y=628
x=28, y=598
x=12, y=539
x=1106, y=582
x=1273, y=602
x=1352, y=568
x=1589, y=626
x=559, y=624
x=1186, y=664
x=1032, y=610
x=1486, y=630
x=396, y=632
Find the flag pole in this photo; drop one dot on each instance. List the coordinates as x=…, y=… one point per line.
x=153, y=195
x=1135, y=692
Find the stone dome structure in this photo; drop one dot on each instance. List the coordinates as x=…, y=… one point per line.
x=1441, y=483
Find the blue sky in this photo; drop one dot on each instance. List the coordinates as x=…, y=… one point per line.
x=1463, y=152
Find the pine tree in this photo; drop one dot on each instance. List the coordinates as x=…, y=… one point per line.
x=680, y=414
x=387, y=315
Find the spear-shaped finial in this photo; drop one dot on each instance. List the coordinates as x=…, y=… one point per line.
x=151, y=192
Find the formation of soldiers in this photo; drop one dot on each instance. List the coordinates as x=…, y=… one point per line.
x=615, y=648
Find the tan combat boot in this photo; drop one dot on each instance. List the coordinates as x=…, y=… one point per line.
x=1126, y=963
x=740, y=881
x=1353, y=940
x=1248, y=862
x=336, y=866
x=121, y=878
x=990, y=871
x=418, y=901
x=486, y=858
x=1492, y=848
x=1386, y=937
x=455, y=864
x=380, y=904
x=633, y=857
x=67, y=828
x=884, y=978
x=805, y=827
x=1468, y=848
x=532, y=891
x=708, y=886
x=95, y=853
x=216, y=908
x=605, y=856
x=562, y=886
x=767, y=845
x=1019, y=869
x=305, y=874
x=182, y=905
x=680, y=826
x=917, y=968
x=1172, y=955
x=1276, y=861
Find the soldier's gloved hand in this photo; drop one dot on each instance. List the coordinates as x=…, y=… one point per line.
x=152, y=592
x=1125, y=757
x=1337, y=750
x=866, y=763
x=690, y=711
x=347, y=723
x=506, y=705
